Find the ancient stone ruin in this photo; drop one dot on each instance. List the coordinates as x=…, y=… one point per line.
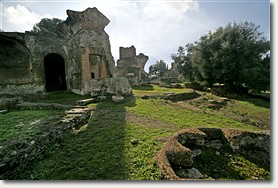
x=131, y=66
x=169, y=79
x=76, y=57
x=180, y=152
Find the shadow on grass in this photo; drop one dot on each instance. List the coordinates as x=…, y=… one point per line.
x=108, y=126
x=96, y=153
x=144, y=87
x=182, y=96
x=258, y=101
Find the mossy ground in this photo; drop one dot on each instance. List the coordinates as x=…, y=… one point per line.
x=229, y=167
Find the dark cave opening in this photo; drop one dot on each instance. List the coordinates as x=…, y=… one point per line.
x=55, y=77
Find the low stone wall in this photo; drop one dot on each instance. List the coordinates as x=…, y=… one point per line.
x=21, y=89
x=181, y=148
x=18, y=154
x=174, y=97
x=41, y=106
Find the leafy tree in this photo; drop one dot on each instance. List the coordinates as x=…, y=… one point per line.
x=235, y=55
x=47, y=25
x=184, y=65
x=158, y=69
x=151, y=70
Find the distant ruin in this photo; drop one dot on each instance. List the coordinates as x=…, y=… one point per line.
x=131, y=66
x=78, y=54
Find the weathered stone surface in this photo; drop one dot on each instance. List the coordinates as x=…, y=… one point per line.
x=118, y=86
x=39, y=106
x=169, y=78
x=3, y=111
x=196, y=152
x=132, y=66
x=81, y=45
x=84, y=102
x=96, y=92
x=191, y=173
x=18, y=153
x=129, y=52
x=216, y=144
x=118, y=99
x=134, y=141
x=90, y=19
x=7, y=103
x=243, y=139
x=178, y=155
x=191, y=138
x=181, y=149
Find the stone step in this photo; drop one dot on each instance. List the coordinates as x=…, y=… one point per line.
x=87, y=101
x=78, y=111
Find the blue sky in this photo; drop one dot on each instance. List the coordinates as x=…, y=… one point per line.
x=155, y=27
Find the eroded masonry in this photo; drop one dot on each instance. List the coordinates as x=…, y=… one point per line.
x=131, y=66
x=76, y=57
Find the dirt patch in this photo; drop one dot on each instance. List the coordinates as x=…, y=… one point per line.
x=149, y=122
x=221, y=106
x=186, y=105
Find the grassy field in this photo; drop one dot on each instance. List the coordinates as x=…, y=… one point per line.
x=102, y=149
x=156, y=90
x=23, y=124
x=67, y=98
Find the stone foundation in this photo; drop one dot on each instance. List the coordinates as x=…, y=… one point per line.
x=181, y=148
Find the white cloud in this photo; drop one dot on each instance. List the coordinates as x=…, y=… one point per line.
x=20, y=17
x=156, y=28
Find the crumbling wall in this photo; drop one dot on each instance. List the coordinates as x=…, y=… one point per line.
x=80, y=40
x=88, y=50
x=15, y=64
x=132, y=66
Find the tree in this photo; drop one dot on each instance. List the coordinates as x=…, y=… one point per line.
x=158, y=69
x=184, y=65
x=151, y=70
x=235, y=55
x=47, y=25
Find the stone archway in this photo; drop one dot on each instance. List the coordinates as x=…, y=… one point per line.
x=54, y=69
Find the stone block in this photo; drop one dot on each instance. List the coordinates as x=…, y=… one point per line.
x=118, y=99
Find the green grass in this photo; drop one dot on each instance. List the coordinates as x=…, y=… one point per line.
x=154, y=90
x=23, y=124
x=183, y=118
x=67, y=98
x=228, y=168
x=140, y=162
x=102, y=149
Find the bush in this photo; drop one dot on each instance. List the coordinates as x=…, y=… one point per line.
x=196, y=86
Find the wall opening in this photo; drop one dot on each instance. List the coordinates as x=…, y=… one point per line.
x=55, y=77
x=98, y=66
x=15, y=65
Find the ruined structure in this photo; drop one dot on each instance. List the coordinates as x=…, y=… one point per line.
x=132, y=66
x=169, y=78
x=181, y=151
x=173, y=75
x=71, y=58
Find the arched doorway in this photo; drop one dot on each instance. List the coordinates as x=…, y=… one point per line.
x=54, y=68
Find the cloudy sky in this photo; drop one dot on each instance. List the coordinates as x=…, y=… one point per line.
x=155, y=27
